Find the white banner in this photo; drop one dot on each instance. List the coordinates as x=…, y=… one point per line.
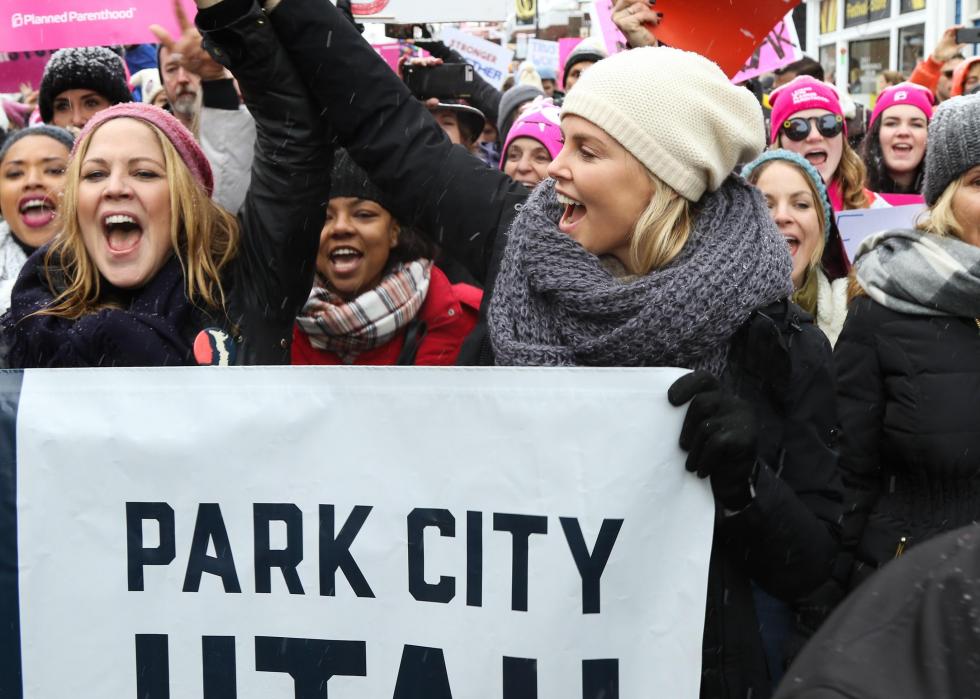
x=543, y=54
x=375, y=532
x=423, y=11
x=489, y=59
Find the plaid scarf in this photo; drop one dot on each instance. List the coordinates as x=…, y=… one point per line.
x=919, y=273
x=348, y=328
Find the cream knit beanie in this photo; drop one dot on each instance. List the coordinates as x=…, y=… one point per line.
x=675, y=111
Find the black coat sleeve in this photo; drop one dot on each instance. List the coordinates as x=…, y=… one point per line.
x=861, y=401
x=282, y=215
x=788, y=537
x=441, y=189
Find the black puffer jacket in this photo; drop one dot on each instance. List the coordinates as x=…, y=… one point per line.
x=265, y=284
x=786, y=539
x=908, y=389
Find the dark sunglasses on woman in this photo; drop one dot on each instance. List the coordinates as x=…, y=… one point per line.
x=798, y=128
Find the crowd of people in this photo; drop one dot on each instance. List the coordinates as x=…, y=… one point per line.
x=268, y=197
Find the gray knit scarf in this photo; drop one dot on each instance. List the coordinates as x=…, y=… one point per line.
x=554, y=304
x=919, y=273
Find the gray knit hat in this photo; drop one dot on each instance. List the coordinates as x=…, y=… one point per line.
x=93, y=68
x=58, y=134
x=954, y=144
x=509, y=102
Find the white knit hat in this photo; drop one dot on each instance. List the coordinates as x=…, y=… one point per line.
x=675, y=111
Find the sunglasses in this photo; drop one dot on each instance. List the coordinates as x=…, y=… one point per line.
x=798, y=128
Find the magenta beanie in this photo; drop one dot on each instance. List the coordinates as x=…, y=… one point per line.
x=799, y=94
x=541, y=121
x=904, y=93
x=182, y=139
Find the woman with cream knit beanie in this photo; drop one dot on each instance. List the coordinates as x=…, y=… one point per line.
x=641, y=249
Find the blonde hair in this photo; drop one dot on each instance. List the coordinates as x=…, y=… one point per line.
x=662, y=229
x=939, y=218
x=204, y=238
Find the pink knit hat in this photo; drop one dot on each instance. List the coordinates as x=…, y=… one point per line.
x=540, y=121
x=799, y=94
x=182, y=139
x=904, y=93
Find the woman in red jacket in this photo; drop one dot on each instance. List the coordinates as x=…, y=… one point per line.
x=378, y=298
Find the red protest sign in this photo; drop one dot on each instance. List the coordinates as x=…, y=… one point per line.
x=726, y=32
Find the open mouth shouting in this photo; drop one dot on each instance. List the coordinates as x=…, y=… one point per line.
x=574, y=212
x=36, y=210
x=793, y=243
x=345, y=260
x=817, y=157
x=123, y=233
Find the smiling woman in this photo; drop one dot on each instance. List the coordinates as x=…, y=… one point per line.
x=32, y=178
x=148, y=270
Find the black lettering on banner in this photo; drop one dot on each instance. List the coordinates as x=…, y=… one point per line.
x=590, y=565
x=419, y=520
x=152, y=666
x=422, y=673
x=600, y=679
x=136, y=555
x=521, y=528
x=335, y=551
x=310, y=662
x=286, y=559
x=474, y=559
x=218, y=659
x=210, y=526
x=520, y=678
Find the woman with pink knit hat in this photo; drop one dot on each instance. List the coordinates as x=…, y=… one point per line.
x=532, y=143
x=807, y=119
x=894, y=149
x=147, y=269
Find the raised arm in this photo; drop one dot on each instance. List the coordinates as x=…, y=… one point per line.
x=443, y=190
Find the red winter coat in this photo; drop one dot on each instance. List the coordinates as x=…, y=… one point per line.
x=450, y=312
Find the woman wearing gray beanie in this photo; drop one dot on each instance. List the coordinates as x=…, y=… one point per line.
x=908, y=363
x=642, y=249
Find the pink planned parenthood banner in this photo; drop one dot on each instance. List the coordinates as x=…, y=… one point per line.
x=22, y=67
x=30, y=25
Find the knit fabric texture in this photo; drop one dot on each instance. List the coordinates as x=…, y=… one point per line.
x=510, y=101
x=540, y=121
x=178, y=135
x=688, y=124
x=953, y=144
x=809, y=172
x=348, y=180
x=904, y=93
x=54, y=132
x=799, y=94
x=93, y=68
x=918, y=273
x=555, y=303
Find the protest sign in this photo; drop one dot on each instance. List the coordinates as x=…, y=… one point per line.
x=543, y=54
x=725, y=32
x=422, y=11
x=22, y=68
x=489, y=59
x=565, y=47
x=374, y=532
x=856, y=225
x=29, y=25
x=780, y=48
x=394, y=51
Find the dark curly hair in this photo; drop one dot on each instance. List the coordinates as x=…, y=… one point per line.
x=874, y=161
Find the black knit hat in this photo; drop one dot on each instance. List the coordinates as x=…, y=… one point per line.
x=58, y=134
x=93, y=68
x=349, y=180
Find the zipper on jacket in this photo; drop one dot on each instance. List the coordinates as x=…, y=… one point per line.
x=900, y=549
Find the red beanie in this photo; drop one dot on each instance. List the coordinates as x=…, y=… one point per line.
x=799, y=94
x=904, y=93
x=182, y=139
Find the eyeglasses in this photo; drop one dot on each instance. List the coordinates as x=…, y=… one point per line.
x=798, y=128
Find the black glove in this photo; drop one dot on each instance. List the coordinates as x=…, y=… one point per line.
x=720, y=434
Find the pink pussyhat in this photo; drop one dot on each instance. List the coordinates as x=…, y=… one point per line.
x=540, y=121
x=799, y=94
x=904, y=93
x=182, y=139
